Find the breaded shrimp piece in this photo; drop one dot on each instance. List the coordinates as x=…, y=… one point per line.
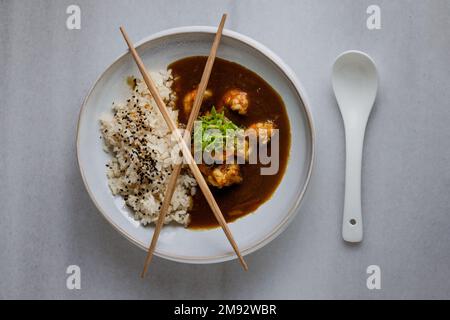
x=263, y=130
x=188, y=100
x=236, y=100
x=223, y=175
x=226, y=175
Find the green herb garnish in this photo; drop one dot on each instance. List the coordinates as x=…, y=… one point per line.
x=216, y=129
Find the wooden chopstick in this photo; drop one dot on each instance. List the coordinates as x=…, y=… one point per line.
x=184, y=148
x=187, y=134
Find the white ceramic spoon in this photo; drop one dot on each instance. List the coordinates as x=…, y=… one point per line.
x=355, y=84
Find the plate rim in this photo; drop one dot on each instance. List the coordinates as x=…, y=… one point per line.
x=289, y=74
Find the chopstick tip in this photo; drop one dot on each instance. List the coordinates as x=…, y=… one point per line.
x=242, y=261
x=122, y=30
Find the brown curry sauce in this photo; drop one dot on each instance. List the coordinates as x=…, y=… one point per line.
x=265, y=104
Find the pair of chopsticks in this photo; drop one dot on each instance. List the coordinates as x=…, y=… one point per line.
x=184, y=148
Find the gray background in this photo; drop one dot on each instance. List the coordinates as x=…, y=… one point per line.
x=49, y=222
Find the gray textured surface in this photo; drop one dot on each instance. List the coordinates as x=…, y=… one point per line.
x=48, y=221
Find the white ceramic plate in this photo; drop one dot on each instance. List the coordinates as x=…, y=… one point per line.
x=176, y=243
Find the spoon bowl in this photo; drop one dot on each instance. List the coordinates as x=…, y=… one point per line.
x=355, y=83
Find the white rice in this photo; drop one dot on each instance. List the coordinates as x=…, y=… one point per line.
x=141, y=145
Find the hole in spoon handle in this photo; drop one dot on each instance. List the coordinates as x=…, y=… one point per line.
x=352, y=229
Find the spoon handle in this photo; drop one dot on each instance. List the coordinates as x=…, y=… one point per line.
x=352, y=228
